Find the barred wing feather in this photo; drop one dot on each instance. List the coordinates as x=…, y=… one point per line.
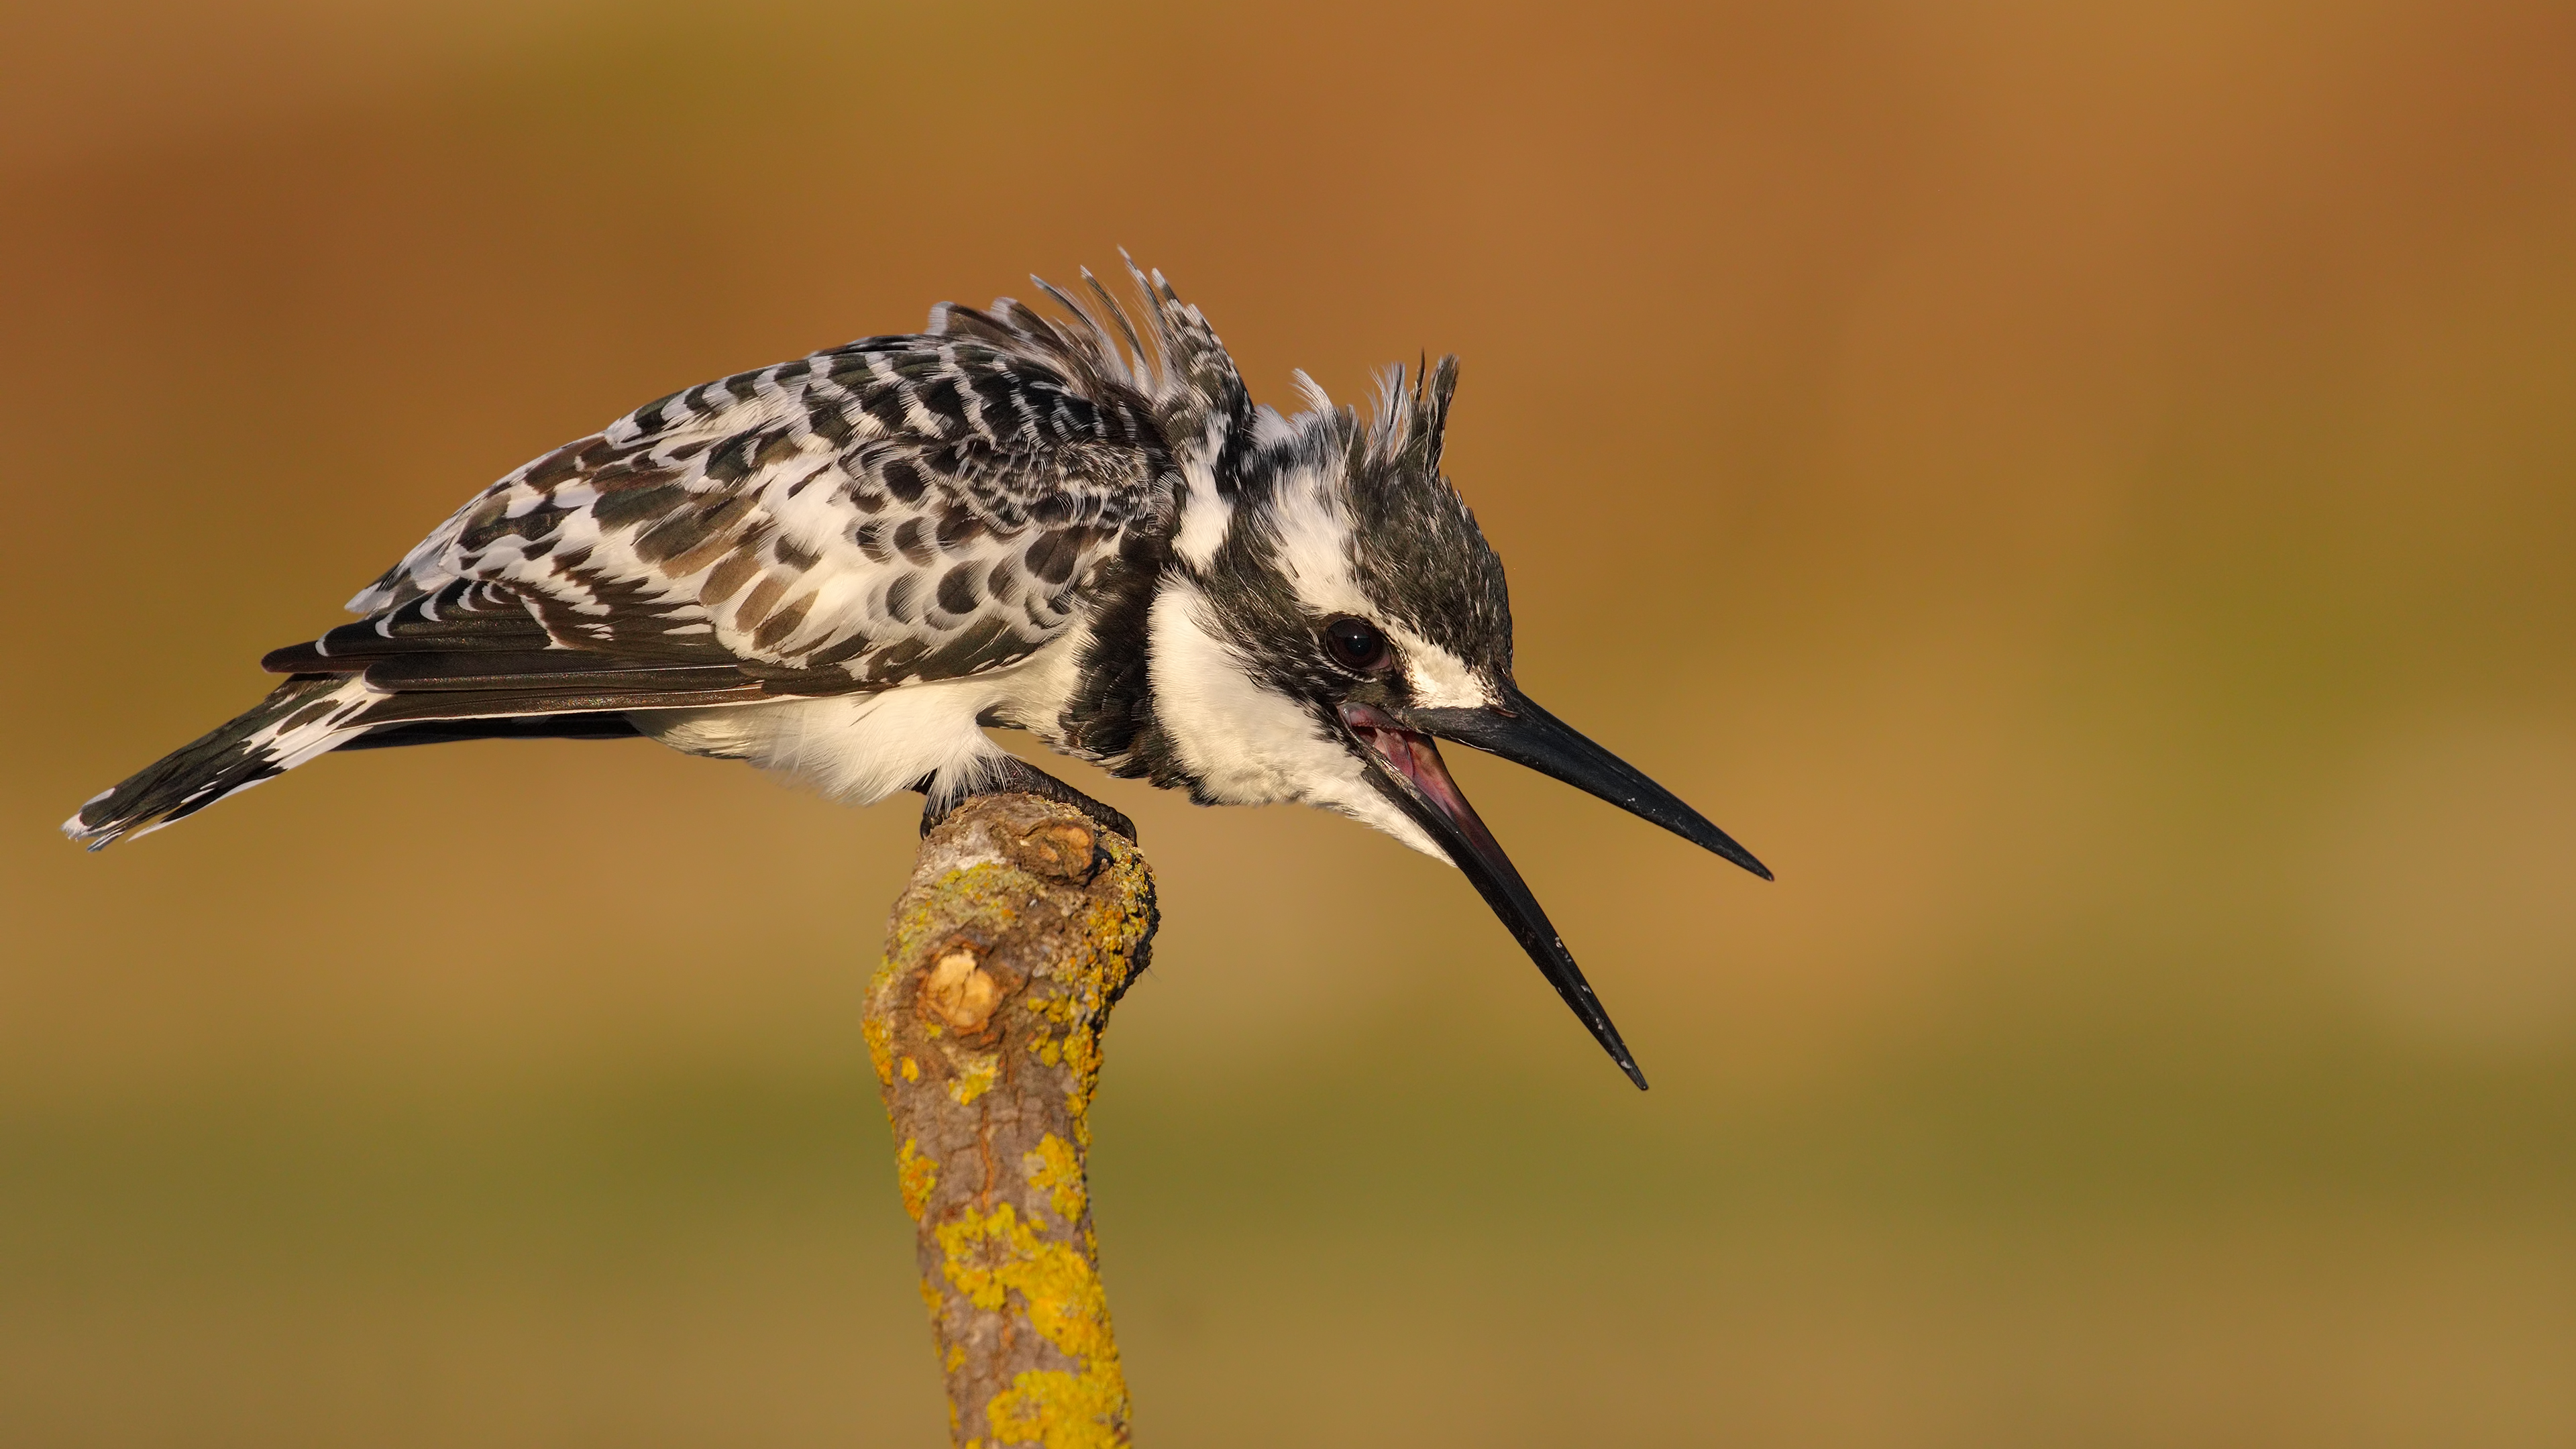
x=901, y=509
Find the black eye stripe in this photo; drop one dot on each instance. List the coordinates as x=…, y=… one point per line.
x=1357, y=645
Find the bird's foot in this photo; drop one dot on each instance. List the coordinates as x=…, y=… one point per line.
x=1015, y=776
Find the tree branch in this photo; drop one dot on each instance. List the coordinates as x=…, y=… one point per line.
x=1022, y=925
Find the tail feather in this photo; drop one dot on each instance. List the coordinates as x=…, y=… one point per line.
x=304, y=717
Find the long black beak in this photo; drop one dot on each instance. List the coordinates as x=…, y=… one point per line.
x=1521, y=732
x=1411, y=773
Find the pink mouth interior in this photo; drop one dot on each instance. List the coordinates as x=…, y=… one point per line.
x=1418, y=760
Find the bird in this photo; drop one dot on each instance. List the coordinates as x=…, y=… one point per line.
x=1072, y=521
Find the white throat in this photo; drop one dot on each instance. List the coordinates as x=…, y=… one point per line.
x=1244, y=743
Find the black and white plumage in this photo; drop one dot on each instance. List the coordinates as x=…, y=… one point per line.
x=846, y=566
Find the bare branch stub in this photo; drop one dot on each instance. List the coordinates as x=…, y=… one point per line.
x=1022, y=925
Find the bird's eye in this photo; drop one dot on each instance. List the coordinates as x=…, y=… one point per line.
x=1356, y=645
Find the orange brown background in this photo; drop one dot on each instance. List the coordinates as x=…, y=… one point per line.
x=2084, y=491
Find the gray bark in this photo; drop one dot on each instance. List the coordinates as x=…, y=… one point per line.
x=1022, y=925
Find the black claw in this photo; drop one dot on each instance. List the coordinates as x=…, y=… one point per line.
x=1018, y=777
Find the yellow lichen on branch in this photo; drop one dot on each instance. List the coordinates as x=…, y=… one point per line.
x=916, y=1175
x=1023, y=924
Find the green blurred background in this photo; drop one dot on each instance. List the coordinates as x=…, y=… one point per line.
x=2087, y=492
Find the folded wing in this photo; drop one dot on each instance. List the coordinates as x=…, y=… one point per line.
x=903, y=508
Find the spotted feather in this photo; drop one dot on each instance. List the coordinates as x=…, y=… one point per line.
x=899, y=510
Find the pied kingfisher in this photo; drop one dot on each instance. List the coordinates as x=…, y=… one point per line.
x=844, y=567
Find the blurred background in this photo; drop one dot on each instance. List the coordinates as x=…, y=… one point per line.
x=2085, y=492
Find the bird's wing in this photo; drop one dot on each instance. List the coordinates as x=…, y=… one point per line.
x=912, y=507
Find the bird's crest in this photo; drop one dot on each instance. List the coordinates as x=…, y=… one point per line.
x=1405, y=433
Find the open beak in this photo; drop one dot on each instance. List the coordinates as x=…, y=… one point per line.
x=1411, y=773
x=1521, y=732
